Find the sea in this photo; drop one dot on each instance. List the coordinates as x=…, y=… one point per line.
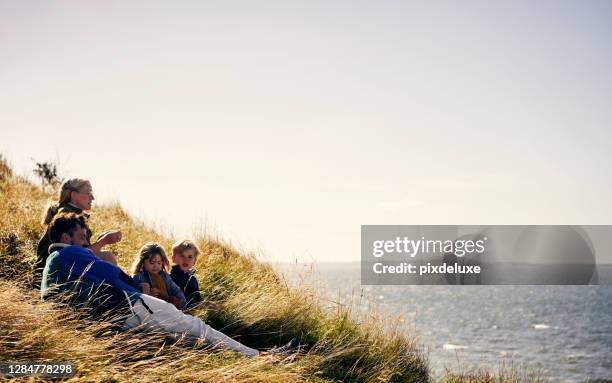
x=560, y=332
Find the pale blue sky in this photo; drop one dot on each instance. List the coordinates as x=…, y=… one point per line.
x=287, y=125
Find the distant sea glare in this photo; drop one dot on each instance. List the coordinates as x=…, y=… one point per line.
x=566, y=331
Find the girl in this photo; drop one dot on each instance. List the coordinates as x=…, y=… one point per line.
x=150, y=271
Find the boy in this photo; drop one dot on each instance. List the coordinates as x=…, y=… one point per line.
x=184, y=256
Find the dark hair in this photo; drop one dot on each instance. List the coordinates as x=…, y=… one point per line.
x=65, y=223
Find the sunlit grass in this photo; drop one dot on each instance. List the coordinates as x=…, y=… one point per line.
x=256, y=307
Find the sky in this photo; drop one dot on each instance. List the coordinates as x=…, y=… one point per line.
x=284, y=126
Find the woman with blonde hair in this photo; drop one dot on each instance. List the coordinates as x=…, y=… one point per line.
x=75, y=196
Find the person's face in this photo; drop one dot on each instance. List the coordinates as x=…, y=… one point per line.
x=78, y=237
x=185, y=260
x=153, y=265
x=82, y=198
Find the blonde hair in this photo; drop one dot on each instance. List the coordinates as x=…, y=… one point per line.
x=148, y=251
x=185, y=244
x=69, y=186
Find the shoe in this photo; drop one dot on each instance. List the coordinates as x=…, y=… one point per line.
x=290, y=348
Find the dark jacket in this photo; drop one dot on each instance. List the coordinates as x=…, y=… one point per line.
x=188, y=283
x=42, y=250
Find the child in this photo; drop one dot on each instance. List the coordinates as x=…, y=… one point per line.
x=150, y=273
x=184, y=256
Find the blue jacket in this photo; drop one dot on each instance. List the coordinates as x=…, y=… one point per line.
x=89, y=282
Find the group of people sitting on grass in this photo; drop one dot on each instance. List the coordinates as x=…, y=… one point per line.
x=155, y=298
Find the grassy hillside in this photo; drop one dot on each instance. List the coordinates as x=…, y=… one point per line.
x=256, y=307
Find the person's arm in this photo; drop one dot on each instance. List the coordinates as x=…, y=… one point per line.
x=107, y=256
x=139, y=279
x=175, y=291
x=145, y=288
x=192, y=291
x=106, y=238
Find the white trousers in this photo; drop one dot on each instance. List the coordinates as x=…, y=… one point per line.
x=169, y=319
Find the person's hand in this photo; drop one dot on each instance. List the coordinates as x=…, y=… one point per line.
x=108, y=257
x=110, y=237
x=155, y=292
x=146, y=289
x=175, y=301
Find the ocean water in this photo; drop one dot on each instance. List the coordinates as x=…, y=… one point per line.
x=564, y=331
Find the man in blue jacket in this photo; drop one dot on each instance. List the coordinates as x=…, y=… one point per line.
x=73, y=271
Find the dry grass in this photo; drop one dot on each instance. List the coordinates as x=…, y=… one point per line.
x=257, y=308
x=507, y=373
x=42, y=332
